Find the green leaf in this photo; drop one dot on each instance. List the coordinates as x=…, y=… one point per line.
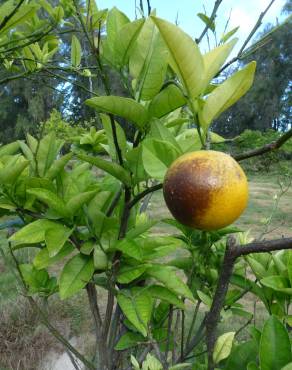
x=207, y=21
x=275, y=347
x=75, y=275
x=52, y=200
x=120, y=106
x=167, y=276
x=214, y=60
x=140, y=228
x=241, y=355
x=47, y=151
x=168, y=100
x=164, y=294
x=130, y=248
x=75, y=52
x=160, y=132
x=115, y=21
x=187, y=60
x=229, y=34
x=289, y=265
x=130, y=273
x=287, y=367
x=252, y=366
x=9, y=149
x=43, y=259
x=204, y=298
x=157, y=156
x=148, y=62
x=10, y=173
x=56, y=237
x=33, y=232
x=76, y=202
x=277, y=283
x=180, y=366
x=129, y=340
x=137, y=306
x=226, y=94
x=223, y=346
x=125, y=40
x=112, y=168
x=58, y=165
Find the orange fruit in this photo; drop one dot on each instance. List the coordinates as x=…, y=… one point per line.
x=206, y=189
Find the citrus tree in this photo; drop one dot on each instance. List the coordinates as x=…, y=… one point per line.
x=94, y=223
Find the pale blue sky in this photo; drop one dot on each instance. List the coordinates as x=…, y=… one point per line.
x=244, y=13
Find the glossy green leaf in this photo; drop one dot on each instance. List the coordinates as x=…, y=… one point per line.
x=9, y=149
x=275, y=346
x=75, y=275
x=46, y=152
x=137, y=306
x=168, y=100
x=215, y=58
x=33, y=232
x=130, y=248
x=223, y=346
x=52, y=200
x=164, y=294
x=167, y=276
x=75, y=52
x=129, y=340
x=226, y=94
x=129, y=273
x=252, y=366
x=56, y=237
x=148, y=62
x=58, y=165
x=157, y=156
x=115, y=21
x=241, y=355
x=43, y=259
x=10, y=173
x=112, y=168
x=125, y=40
x=187, y=59
x=278, y=283
x=120, y=106
x=79, y=200
x=160, y=132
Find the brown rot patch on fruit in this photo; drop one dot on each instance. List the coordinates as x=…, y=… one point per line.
x=206, y=190
x=188, y=190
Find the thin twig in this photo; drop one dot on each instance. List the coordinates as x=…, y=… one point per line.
x=10, y=15
x=212, y=18
x=141, y=195
x=249, y=37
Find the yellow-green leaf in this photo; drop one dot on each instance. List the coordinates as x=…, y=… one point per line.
x=226, y=94
x=120, y=106
x=75, y=52
x=223, y=346
x=187, y=60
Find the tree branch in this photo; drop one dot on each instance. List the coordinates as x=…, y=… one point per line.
x=10, y=15
x=252, y=32
x=141, y=195
x=212, y=18
x=232, y=252
x=266, y=148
